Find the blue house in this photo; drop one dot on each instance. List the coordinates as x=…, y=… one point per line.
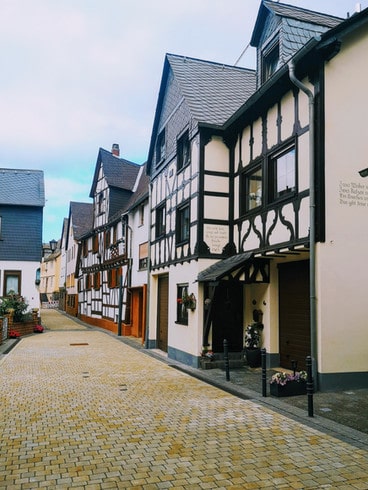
x=22, y=199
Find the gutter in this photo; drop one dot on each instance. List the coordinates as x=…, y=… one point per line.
x=312, y=225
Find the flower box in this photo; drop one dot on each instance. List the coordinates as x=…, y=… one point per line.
x=291, y=388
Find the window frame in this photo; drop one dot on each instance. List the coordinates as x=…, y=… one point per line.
x=160, y=224
x=181, y=310
x=12, y=273
x=160, y=147
x=270, y=60
x=183, y=155
x=275, y=192
x=182, y=229
x=246, y=196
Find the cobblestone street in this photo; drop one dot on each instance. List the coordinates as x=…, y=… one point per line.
x=83, y=410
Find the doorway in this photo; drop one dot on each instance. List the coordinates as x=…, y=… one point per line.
x=294, y=314
x=162, y=312
x=227, y=316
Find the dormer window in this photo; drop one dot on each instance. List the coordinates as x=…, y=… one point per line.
x=270, y=60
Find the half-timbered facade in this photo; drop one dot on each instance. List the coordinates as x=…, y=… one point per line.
x=104, y=256
x=190, y=193
x=79, y=223
x=264, y=211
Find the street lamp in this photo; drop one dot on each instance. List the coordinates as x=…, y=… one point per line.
x=53, y=244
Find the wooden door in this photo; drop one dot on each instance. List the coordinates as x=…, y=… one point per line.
x=162, y=312
x=294, y=313
x=227, y=316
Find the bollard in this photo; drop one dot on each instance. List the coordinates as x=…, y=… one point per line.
x=264, y=372
x=310, y=386
x=226, y=358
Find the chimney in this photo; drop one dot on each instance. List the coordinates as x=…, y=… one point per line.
x=115, y=150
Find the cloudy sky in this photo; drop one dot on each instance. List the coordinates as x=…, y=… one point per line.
x=77, y=75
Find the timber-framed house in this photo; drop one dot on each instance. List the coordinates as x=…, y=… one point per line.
x=104, y=264
x=266, y=213
x=190, y=192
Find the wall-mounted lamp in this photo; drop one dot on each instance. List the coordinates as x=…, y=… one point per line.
x=53, y=244
x=364, y=172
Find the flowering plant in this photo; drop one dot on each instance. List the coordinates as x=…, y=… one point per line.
x=283, y=378
x=38, y=329
x=13, y=334
x=207, y=354
x=253, y=335
x=188, y=301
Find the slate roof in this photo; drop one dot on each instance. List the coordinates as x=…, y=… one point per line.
x=220, y=269
x=141, y=191
x=81, y=215
x=22, y=187
x=118, y=172
x=321, y=21
x=213, y=91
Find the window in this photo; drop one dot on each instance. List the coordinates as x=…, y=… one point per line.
x=143, y=256
x=141, y=215
x=183, y=151
x=95, y=243
x=97, y=281
x=161, y=220
x=85, y=247
x=182, y=224
x=12, y=282
x=107, y=238
x=113, y=277
x=88, y=282
x=253, y=190
x=160, y=147
x=181, y=310
x=270, y=61
x=282, y=174
x=100, y=202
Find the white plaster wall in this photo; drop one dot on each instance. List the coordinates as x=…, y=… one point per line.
x=28, y=287
x=341, y=264
x=216, y=155
x=272, y=127
x=257, y=136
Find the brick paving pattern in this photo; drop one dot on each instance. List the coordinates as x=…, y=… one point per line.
x=81, y=409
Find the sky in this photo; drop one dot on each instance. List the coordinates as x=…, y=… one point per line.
x=77, y=75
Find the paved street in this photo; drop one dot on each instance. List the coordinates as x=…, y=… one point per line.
x=80, y=409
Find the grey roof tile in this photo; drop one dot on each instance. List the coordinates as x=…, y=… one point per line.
x=22, y=187
x=213, y=91
x=118, y=171
x=81, y=215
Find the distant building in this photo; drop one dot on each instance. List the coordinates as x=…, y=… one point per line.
x=22, y=199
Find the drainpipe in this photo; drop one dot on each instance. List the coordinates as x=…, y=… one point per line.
x=312, y=229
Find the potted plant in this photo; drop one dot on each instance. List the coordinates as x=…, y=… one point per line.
x=285, y=384
x=252, y=343
x=188, y=301
x=38, y=329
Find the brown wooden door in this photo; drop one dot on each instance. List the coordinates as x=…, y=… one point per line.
x=227, y=316
x=294, y=313
x=162, y=320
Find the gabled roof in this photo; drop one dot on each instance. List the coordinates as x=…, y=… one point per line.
x=22, y=187
x=81, y=218
x=142, y=189
x=290, y=12
x=213, y=91
x=118, y=172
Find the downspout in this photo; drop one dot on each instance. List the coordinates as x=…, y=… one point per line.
x=312, y=229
